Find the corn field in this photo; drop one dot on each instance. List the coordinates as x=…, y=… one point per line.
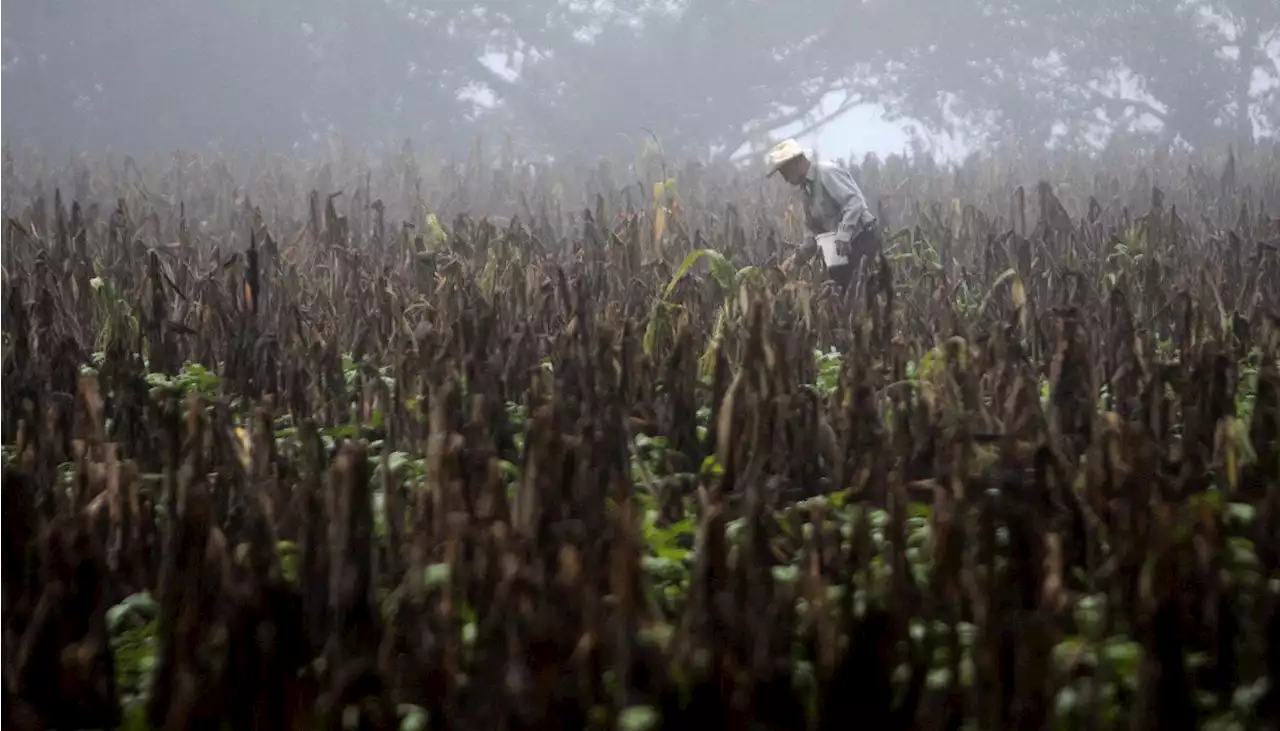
x=369, y=442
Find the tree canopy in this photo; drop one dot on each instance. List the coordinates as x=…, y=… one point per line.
x=1204, y=70
x=705, y=76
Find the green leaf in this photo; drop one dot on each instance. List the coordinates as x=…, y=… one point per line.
x=658, y=634
x=143, y=604
x=1243, y=553
x=288, y=553
x=675, y=554
x=733, y=529
x=397, y=461
x=1242, y=512
x=920, y=510
x=662, y=568
x=931, y=365
x=435, y=575
x=1067, y=701
x=747, y=273
x=115, y=618
x=412, y=718
x=1124, y=656
x=158, y=380
x=637, y=718
x=509, y=470
x=1211, y=498
x=829, y=365
x=711, y=466
x=1088, y=613
x=435, y=232
x=346, y=431
x=660, y=319
x=721, y=269
x=140, y=606
x=135, y=716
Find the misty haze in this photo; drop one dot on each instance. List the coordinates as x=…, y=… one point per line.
x=640, y=364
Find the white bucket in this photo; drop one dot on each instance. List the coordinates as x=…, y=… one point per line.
x=827, y=242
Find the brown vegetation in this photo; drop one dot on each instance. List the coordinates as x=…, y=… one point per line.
x=538, y=474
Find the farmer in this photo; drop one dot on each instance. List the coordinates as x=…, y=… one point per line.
x=832, y=203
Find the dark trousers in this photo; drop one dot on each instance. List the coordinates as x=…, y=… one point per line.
x=863, y=248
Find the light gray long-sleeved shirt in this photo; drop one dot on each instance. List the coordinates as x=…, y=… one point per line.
x=832, y=202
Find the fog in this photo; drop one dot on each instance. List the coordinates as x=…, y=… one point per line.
x=710, y=79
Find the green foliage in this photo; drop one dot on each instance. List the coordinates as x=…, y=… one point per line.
x=731, y=282
x=669, y=557
x=118, y=318
x=666, y=543
x=132, y=627
x=1014, y=92
x=435, y=235
x=721, y=269
x=1098, y=651
x=193, y=378
x=413, y=718
x=436, y=575
x=1247, y=391
x=638, y=718
x=287, y=551
x=829, y=365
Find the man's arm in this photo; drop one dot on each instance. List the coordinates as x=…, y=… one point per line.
x=844, y=190
x=808, y=246
x=806, y=251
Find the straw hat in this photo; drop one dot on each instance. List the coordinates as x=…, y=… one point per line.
x=783, y=153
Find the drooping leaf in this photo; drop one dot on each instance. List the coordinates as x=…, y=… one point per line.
x=721, y=269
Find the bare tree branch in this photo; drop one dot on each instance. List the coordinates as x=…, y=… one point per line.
x=849, y=103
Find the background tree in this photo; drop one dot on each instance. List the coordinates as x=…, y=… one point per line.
x=87, y=74
x=1204, y=70
x=706, y=76
x=157, y=75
